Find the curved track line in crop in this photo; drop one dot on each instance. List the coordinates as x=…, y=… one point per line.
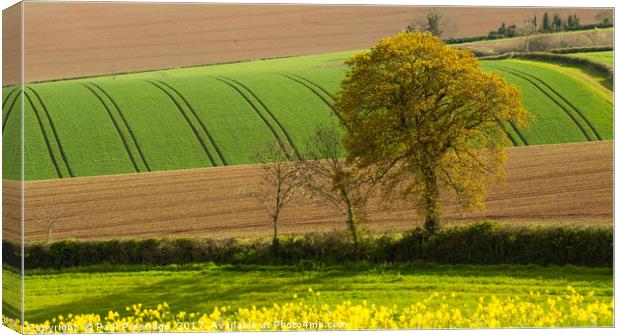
x=118, y=129
x=54, y=132
x=515, y=128
x=273, y=117
x=45, y=137
x=8, y=96
x=191, y=125
x=557, y=103
x=306, y=83
x=510, y=137
x=202, y=125
x=518, y=132
x=228, y=81
x=583, y=117
x=314, y=84
x=131, y=133
x=8, y=112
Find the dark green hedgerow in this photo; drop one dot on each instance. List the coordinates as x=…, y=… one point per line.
x=483, y=243
x=581, y=49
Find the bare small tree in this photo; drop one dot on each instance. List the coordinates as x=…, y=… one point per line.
x=279, y=181
x=330, y=179
x=529, y=28
x=451, y=26
x=430, y=23
x=51, y=222
x=52, y=215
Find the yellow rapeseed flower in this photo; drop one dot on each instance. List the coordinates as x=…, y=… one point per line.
x=569, y=311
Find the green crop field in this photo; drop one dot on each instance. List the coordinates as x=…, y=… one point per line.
x=565, y=108
x=11, y=146
x=222, y=114
x=201, y=287
x=605, y=57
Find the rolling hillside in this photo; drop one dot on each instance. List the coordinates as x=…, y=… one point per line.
x=220, y=115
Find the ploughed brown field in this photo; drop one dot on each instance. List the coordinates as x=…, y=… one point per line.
x=547, y=184
x=80, y=39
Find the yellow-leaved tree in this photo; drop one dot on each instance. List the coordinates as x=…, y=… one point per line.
x=424, y=118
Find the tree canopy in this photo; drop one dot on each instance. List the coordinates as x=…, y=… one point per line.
x=424, y=117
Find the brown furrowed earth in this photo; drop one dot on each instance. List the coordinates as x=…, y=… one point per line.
x=66, y=40
x=547, y=184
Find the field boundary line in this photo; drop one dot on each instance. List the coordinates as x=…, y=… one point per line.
x=118, y=129
x=45, y=137
x=8, y=111
x=570, y=115
x=585, y=119
x=54, y=132
x=228, y=81
x=300, y=80
x=202, y=125
x=189, y=122
x=131, y=133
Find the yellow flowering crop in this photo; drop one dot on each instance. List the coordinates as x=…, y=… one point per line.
x=436, y=311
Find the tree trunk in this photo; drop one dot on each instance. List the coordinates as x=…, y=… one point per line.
x=353, y=229
x=275, y=227
x=431, y=200
x=275, y=243
x=351, y=222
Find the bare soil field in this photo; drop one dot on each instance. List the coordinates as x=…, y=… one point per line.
x=548, y=184
x=65, y=40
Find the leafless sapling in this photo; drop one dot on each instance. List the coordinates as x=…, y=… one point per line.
x=330, y=179
x=279, y=181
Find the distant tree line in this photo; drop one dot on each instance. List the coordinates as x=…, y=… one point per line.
x=556, y=23
x=548, y=24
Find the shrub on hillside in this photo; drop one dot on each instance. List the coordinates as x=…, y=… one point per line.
x=482, y=243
